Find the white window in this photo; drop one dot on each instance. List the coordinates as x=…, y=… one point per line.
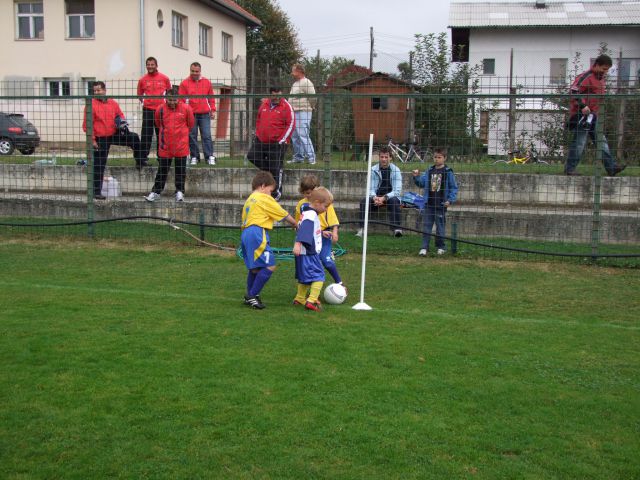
x=87, y=86
x=178, y=30
x=488, y=66
x=227, y=47
x=29, y=20
x=81, y=22
x=205, y=40
x=557, y=71
x=58, y=87
x=629, y=72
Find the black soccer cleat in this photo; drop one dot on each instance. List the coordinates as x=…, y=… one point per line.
x=254, y=302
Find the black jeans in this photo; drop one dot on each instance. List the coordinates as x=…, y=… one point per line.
x=393, y=211
x=101, y=154
x=164, y=164
x=269, y=157
x=146, y=135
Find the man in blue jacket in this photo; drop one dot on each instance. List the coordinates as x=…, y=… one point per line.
x=385, y=192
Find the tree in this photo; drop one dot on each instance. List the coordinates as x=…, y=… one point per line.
x=275, y=43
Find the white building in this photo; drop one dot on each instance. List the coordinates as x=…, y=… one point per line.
x=539, y=47
x=56, y=48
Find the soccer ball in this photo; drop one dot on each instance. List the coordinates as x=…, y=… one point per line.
x=335, y=294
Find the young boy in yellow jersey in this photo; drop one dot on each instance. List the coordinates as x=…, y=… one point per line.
x=328, y=222
x=309, y=270
x=258, y=214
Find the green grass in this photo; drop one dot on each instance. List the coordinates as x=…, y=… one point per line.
x=122, y=361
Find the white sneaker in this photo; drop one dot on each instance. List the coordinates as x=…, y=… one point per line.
x=397, y=232
x=194, y=161
x=212, y=160
x=441, y=251
x=423, y=252
x=179, y=197
x=152, y=197
x=312, y=162
x=359, y=233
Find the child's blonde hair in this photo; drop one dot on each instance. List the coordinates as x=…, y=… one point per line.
x=321, y=194
x=308, y=183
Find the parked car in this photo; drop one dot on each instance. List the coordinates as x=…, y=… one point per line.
x=17, y=132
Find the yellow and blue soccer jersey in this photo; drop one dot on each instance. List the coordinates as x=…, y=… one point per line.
x=328, y=219
x=261, y=210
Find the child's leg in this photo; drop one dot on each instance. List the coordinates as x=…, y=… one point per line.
x=328, y=260
x=429, y=219
x=440, y=229
x=251, y=277
x=314, y=292
x=262, y=277
x=301, y=296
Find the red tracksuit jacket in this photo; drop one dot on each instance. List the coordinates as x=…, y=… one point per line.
x=104, y=117
x=587, y=83
x=201, y=87
x=156, y=84
x=174, y=126
x=275, y=124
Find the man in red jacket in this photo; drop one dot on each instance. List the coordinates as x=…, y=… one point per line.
x=153, y=83
x=274, y=126
x=109, y=128
x=204, y=109
x=174, y=121
x=584, y=115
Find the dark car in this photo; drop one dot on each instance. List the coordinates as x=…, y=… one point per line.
x=17, y=132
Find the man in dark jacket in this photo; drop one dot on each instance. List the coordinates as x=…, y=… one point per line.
x=274, y=127
x=584, y=115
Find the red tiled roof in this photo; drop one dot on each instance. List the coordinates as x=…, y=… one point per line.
x=234, y=10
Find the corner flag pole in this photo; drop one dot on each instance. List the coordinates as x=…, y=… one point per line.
x=362, y=305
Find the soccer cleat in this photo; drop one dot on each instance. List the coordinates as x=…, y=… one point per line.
x=254, y=302
x=441, y=251
x=211, y=160
x=359, y=233
x=179, y=196
x=313, y=306
x=397, y=233
x=194, y=161
x=423, y=252
x=152, y=197
x=296, y=302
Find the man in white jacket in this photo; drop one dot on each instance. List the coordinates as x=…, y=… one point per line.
x=303, y=108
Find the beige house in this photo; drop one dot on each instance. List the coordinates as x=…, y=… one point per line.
x=56, y=48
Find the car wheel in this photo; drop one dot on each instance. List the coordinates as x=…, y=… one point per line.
x=27, y=151
x=6, y=146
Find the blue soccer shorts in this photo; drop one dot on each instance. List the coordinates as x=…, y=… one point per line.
x=256, y=250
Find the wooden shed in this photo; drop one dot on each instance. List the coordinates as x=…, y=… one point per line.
x=383, y=115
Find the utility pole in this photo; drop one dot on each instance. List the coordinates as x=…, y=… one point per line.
x=371, y=49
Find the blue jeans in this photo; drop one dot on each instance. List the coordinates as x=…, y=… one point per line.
x=578, y=144
x=437, y=215
x=203, y=121
x=302, y=146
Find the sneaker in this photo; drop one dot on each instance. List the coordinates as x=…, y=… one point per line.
x=179, y=197
x=397, y=233
x=441, y=251
x=142, y=164
x=573, y=173
x=312, y=162
x=212, y=160
x=277, y=195
x=313, y=306
x=99, y=197
x=359, y=233
x=617, y=170
x=152, y=197
x=194, y=161
x=254, y=302
x=423, y=252
x=293, y=160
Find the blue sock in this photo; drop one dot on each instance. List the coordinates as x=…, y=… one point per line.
x=262, y=277
x=251, y=277
x=333, y=270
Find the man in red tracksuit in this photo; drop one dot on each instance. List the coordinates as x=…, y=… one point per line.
x=174, y=121
x=153, y=83
x=204, y=109
x=109, y=128
x=584, y=115
x=274, y=126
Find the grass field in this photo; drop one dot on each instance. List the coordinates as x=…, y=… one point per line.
x=124, y=361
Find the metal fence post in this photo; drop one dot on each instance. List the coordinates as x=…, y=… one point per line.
x=596, y=221
x=88, y=102
x=327, y=116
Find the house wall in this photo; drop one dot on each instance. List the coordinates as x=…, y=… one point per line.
x=114, y=55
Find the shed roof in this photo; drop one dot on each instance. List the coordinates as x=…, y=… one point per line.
x=552, y=14
x=375, y=75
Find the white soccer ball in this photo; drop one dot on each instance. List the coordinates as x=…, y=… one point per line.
x=335, y=294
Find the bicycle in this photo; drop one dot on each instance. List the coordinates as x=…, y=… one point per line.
x=412, y=154
x=530, y=156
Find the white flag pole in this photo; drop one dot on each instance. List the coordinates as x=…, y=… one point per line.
x=362, y=305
